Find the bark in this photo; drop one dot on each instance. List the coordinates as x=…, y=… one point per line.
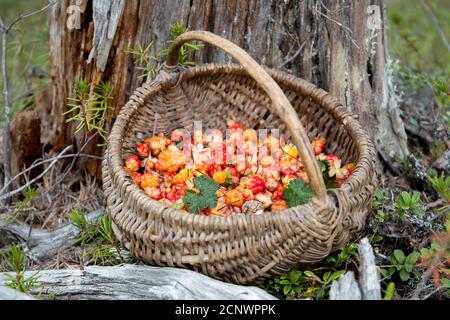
x=326, y=42
x=113, y=283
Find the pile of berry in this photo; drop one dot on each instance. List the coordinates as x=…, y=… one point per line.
x=243, y=174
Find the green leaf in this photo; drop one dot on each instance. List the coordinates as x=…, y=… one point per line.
x=445, y=282
x=412, y=258
x=191, y=199
x=326, y=276
x=296, y=289
x=377, y=238
x=404, y=275
x=206, y=185
x=408, y=267
x=390, y=290
x=435, y=246
x=207, y=197
x=336, y=275
x=405, y=197
x=309, y=273
x=297, y=193
x=399, y=256
x=286, y=289
x=384, y=272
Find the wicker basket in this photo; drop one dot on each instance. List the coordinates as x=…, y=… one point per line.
x=242, y=249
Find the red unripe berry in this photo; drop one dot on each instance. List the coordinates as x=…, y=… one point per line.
x=143, y=150
x=136, y=177
x=288, y=171
x=256, y=185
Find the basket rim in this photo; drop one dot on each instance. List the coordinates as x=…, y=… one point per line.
x=171, y=77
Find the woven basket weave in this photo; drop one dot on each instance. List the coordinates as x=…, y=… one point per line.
x=244, y=249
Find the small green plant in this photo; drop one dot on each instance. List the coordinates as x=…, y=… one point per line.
x=29, y=194
x=344, y=255
x=151, y=63
x=89, y=230
x=14, y=260
x=99, y=239
x=381, y=216
x=404, y=265
x=109, y=251
x=442, y=185
x=89, y=109
x=406, y=203
x=287, y=285
x=381, y=197
x=320, y=291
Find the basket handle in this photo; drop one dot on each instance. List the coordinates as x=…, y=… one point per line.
x=280, y=103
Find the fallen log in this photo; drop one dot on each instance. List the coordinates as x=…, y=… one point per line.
x=140, y=282
x=7, y=293
x=42, y=245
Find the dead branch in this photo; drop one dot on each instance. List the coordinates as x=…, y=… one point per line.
x=60, y=157
x=42, y=245
x=296, y=53
x=139, y=282
x=29, y=183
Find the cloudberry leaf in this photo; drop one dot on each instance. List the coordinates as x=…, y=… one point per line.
x=207, y=197
x=297, y=193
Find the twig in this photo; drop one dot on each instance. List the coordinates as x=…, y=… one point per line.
x=73, y=162
x=26, y=15
x=432, y=293
x=37, y=164
x=436, y=24
x=296, y=53
x=18, y=190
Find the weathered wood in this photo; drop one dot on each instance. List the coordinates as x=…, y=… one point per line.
x=345, y=288
x=43, y=244
x=139, y=282
x=106, y=16
x=7, y=293
x=343, y=50
x=369, y=278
